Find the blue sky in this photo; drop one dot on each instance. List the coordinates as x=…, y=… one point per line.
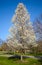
x=7, y=9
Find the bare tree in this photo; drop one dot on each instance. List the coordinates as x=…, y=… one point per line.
x=38, y=28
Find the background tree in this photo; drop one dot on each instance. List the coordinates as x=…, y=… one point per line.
x=4, y=47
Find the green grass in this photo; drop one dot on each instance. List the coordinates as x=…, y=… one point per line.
x=33, y=54
x=12, y=53
x=29, y=61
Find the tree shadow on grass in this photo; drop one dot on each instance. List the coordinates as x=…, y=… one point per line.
x=40, y=60
x=14, y=57
x=17, y=57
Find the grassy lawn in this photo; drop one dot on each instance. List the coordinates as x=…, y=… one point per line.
x=39, y=54
x=12, y=53
x=29, y=61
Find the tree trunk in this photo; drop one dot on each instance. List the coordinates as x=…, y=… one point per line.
x=21, y=57
x=25, y=51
